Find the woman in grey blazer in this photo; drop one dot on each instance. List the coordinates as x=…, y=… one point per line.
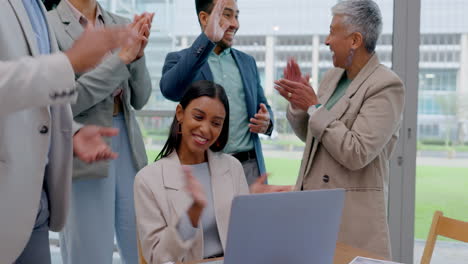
x=351, y=126
x=102, y=193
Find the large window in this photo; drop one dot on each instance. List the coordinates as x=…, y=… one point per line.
x=442, y=79
x=442, y=166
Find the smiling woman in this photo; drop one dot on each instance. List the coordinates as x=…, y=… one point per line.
x=183, y=200
x=205, y=110
x=351, y=125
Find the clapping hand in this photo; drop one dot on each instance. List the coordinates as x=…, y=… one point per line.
x=293, y=72
x=259, y=186
x=95, y=43
x=261, y=121
x=144, y=31
x=89, y=145
x=296, y=88
x=135, y=49
x=195, y=190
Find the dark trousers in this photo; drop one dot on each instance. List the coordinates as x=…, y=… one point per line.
x=251, y=170
x=37, y=250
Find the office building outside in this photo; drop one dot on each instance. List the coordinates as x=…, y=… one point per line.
x=273, y=31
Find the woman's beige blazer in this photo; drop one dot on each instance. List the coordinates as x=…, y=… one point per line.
x=160, y=200
x=350, y=147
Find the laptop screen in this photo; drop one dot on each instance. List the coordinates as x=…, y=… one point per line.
x=290, y=227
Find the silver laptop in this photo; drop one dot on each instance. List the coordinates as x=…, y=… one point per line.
x=277, y=228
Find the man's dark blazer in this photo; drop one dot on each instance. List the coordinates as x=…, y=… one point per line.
x=183, y=67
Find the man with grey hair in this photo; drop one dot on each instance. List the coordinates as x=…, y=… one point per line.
x=351, y=125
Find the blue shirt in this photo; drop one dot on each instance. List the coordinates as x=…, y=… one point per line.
x=227, y=74
x=41, y=32
x=39, y=25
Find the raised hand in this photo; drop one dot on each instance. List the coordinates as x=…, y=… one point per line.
x=144, y=31
x=132, y=50
x=292, y=71
x=89, y=145
x=217, y=24
x=259, y=186
x=296, y=88
x=195, y=190
x=95, y=43
x=261, y=121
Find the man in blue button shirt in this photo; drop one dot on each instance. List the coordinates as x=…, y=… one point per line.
x=211, y=58
x=38, y=137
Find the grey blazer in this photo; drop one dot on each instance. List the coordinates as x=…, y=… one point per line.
x=350, y=147
x=95, y=101
x=27, y=87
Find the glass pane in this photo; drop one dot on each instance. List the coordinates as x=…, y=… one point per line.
x=442, y=167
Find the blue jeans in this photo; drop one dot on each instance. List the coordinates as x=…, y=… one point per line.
x=98, y=206
x=37, y=250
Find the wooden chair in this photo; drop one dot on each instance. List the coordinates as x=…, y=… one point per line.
x=443, y=226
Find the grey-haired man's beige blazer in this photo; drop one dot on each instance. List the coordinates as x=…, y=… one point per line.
x=350, y=147
x=27, y=87
x=95, y=102
x=160, y=200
